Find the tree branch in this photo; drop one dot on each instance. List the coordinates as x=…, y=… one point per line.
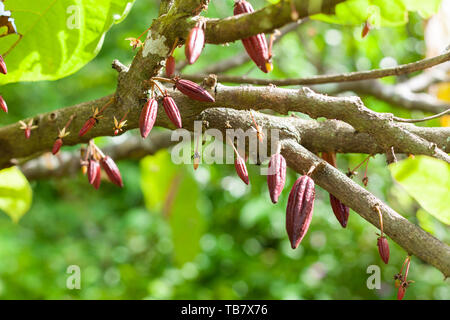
x=412, y=238
x=265, y=20
x=344, y=77
x=380, y=126
x=398, y=95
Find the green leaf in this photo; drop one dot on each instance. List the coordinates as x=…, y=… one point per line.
x=173, y=190
x=380, y=13
x=59, y=37
x=425, y=8
x=427, y=180
x=15, y=193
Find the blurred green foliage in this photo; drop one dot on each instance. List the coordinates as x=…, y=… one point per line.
x=130, y=246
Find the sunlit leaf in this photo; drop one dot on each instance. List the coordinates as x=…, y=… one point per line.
x=172, y=190
x=15, y=193
x=427, y=180
x=59, y=37
x=380, y=13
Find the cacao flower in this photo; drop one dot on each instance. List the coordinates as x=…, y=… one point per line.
x=170, y=66
x=93, y=171
x=3, y=68
x=256, y=46
x=277, y=176
x=148, y=117
x=3, y=104
x=383, y=248
x=112, y=170
x=172, y=111
x=87, y=126
x=241, y=168
x=27, y=133
x=194, y=44
x=57, y=145
x=341, y=211
x=193, y=90
x=299, y=209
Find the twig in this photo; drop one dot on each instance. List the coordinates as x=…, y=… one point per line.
x=423, y=119
x=344, y=77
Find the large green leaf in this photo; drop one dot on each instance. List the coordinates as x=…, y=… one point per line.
x=427, y=180
x=380, y=13
x=15, y=193
x=59, y=36
x=172, y=189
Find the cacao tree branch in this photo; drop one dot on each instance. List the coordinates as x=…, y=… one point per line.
x=398, y=95
x=409, y=236
x=67, y=163
x=325, y=136
x=264, y=20
x=380, y=126
x=344, y=77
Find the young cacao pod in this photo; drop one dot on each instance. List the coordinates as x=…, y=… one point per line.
x=93, y=170
x=194, y=44
x=340, y=210
x=172, y=111
x=383, y=248
x=112, y=171
x=299, y=209
x=277, y=176
x=148, y=117
x=193, y=90
x=57, y=145
x=241, y=168
x=3, y=68
x=256, y=46
x=170, y=66
x=3, y=104
x=88, y=125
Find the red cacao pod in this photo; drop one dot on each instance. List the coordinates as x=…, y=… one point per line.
x=401, y=292
x=27, y=133
x=148, y=117
x=299, y=209
x=170, y=66
x=365, y=29
x=112, y=171
x=341, y=211
x=241, y=169
x=3, y=68
x=194, y=44
x=93, y=170
x=172, y=111
x=256, y=46
x=3, y=104
x=57, y=145
x=277, y=176
x=383, y=248
x=193, y=90
x=87, y=126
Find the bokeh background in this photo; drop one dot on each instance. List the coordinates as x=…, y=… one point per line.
x=219, y=239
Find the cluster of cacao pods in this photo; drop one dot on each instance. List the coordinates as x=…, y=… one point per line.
x=97, y=160
x=300, y=204
x=3, y=70
x=256, y=46
x=150, y=110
